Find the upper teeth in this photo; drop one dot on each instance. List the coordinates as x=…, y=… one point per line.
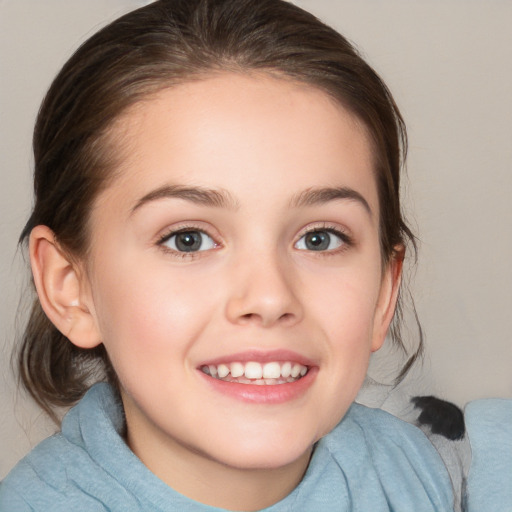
x=254, y=370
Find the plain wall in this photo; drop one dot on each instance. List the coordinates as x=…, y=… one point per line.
x=449, y=65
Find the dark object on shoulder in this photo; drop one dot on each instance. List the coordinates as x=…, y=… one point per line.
x=442, y=417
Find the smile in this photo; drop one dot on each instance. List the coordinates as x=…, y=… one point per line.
x=252, y=372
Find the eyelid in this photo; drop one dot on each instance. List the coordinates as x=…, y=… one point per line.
x=184, y=227
x=335, y=229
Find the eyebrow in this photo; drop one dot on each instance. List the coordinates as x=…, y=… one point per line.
x=315, y=196
x=223, y=199
x=198, y=195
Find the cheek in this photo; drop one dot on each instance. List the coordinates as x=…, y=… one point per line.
x=344, y=310
x=150, y=313
x=345, y=305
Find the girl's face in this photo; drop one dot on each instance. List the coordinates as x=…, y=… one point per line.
x=241, y=236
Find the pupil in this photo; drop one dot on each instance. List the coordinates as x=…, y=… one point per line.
x=188, y=241
x=317, y=241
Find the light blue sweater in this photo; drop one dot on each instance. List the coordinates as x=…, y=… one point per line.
x=489, y=426
x=371, y=462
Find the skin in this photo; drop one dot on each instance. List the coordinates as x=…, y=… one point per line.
x=263, y=143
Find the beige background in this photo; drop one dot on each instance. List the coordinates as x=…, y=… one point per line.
x=449, y=64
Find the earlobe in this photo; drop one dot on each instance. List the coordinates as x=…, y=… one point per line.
x=388, y=297
x=59, y=287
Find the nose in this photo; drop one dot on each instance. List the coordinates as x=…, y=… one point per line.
x=263, y=292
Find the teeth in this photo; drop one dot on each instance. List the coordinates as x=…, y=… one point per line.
x=295, y=370
x=286, y=370
x=272, y=371
x=222, y=370
x=252, y=372
x=237, y=370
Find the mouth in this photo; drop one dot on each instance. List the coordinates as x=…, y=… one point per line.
x=252, y=372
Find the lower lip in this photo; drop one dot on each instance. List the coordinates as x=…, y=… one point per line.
x=263, y=394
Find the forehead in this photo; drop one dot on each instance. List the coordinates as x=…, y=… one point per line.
x=235, y=130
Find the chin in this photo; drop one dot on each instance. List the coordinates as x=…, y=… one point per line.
x=265, y=459
x=274, y=451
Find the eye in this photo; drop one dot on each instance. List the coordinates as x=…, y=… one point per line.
x=321, y=240
x=188, y=241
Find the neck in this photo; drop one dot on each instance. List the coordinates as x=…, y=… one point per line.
x=209, y=481
x=218, y=485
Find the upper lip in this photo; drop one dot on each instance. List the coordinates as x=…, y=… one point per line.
x=260, y=356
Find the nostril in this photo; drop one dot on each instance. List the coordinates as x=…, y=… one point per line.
x=266, y=320
x=287, y=317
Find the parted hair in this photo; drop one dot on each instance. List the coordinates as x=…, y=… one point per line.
x=165, y=43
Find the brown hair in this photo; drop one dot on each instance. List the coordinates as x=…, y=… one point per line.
x=143, y=52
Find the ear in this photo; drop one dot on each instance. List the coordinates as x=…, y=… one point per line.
x=388, y=296
x=62, y=289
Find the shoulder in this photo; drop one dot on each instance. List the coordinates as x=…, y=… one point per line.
x=386, y=437
x=382, y=431
x=395, y=455
x=57, y=473
x=87, y=466
x=489, y=428
x=39, y=477
x=11, y=500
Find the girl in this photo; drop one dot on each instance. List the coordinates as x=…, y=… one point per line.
x=217, y=237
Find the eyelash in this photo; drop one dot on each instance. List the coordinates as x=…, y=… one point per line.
x=347, y=240
x=176, y=231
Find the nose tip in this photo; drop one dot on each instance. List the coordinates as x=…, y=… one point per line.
x=264, y=298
